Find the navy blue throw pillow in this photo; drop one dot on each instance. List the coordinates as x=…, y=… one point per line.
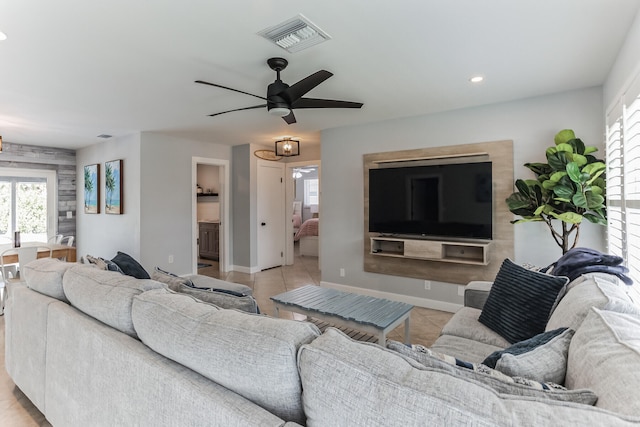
x=130, y=266
x=520, y=301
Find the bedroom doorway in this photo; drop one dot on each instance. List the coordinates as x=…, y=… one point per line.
x=302, y=190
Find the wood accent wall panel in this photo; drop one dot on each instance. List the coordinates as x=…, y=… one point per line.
x=501, y=155
x=63, y=161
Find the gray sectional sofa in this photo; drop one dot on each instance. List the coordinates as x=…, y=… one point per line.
x=97, y=348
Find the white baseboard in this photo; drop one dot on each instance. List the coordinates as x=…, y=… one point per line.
x=417, y=301
x=243, y=269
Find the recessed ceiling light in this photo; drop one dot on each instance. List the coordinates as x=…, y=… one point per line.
x=476, y=79
x=3, y=36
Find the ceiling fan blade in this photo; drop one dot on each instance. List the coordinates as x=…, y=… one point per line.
x=239, y=109
x=324, y=103
x=228, y=88
x=290, y=118
x=299, y=89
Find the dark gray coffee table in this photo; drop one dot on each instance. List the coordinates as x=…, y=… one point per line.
x=375, y=316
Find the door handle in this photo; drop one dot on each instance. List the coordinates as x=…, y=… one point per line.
x=263, y=224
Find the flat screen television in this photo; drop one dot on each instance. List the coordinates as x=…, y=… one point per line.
x=434, y=201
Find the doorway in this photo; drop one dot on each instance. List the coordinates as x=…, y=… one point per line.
x=301, y=176
x=210, y=183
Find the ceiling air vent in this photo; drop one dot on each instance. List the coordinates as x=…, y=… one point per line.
x=104, y=136
x=295, y=34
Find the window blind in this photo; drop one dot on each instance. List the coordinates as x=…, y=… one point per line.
x=623, y=182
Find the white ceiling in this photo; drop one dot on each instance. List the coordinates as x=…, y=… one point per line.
x=71, y=70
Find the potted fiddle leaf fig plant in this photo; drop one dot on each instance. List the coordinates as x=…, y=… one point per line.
x=568, y=188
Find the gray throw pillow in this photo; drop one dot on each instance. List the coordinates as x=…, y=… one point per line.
x=172, y=280
x=521, y=301
x=542, y=358
x=495, y=379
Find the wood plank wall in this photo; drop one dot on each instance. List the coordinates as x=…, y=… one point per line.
x=502, y=245
x=63, y=161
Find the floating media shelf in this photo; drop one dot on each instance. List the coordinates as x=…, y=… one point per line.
x=476, y=253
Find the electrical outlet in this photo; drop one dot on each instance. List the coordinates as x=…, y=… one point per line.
x=69, y=214
x=170, y=259
x=461, y=290
x=342, y=273
x=427, y=285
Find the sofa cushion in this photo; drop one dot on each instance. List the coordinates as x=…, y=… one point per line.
x=130, y=266
x=493, y=378
x=605, y=356
x=464, y=348
x=252, y=355
x=520, y=301
x=595, y=291
x=464, y=323
x=354, y=384
x=542, y=358
x=45, y=275
x=105, y=295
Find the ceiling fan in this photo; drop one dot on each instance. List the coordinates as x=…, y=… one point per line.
x=297, y=172
x=282, y=99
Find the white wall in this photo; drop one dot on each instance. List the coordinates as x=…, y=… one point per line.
x=166, y=208
x=104, y=235
x=626, y=66
x=530, y=123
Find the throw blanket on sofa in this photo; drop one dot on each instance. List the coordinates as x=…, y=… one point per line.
x=579, y=261
x=308, y=228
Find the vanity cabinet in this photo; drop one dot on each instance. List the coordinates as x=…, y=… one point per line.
x=209, y=237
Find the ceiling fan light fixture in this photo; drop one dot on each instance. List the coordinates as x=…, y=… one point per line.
x=295, y=34
x=279, y=111
x=287, y=147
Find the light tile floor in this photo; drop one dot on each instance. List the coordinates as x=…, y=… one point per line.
x=17, y=411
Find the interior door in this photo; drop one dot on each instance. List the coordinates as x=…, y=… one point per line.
x=271, y=221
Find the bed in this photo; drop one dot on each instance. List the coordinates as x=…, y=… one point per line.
x=308, y=237
x=297, y=216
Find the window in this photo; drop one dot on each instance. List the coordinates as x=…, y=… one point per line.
x=623, y=182
x=311, y=193
x=27, y=204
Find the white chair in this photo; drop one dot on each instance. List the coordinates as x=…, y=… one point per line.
x=26, y=254
x=55, y=239
x=67, y=240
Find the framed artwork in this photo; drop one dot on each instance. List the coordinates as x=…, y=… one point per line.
x=113, y=187
x=92, y=189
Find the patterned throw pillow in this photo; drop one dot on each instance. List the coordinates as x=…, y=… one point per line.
x=173, y=281
x=495, y=379
x=521, y=301
x=542, y=358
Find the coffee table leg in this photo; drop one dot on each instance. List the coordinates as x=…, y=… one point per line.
x=407, y=334
x=382, y=338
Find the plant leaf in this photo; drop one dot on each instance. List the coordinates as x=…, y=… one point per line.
x=580, y=200
x=594, y=201
x=557, y=161
x=589, y=149
x=578, y=145
x=563, y=191
x=556, y=176
x=564, y=147
x=570, y=217
x=573, y=170
x=563, y=136
x=523, y=187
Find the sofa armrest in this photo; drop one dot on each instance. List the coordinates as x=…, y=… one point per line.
x=476, y=293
